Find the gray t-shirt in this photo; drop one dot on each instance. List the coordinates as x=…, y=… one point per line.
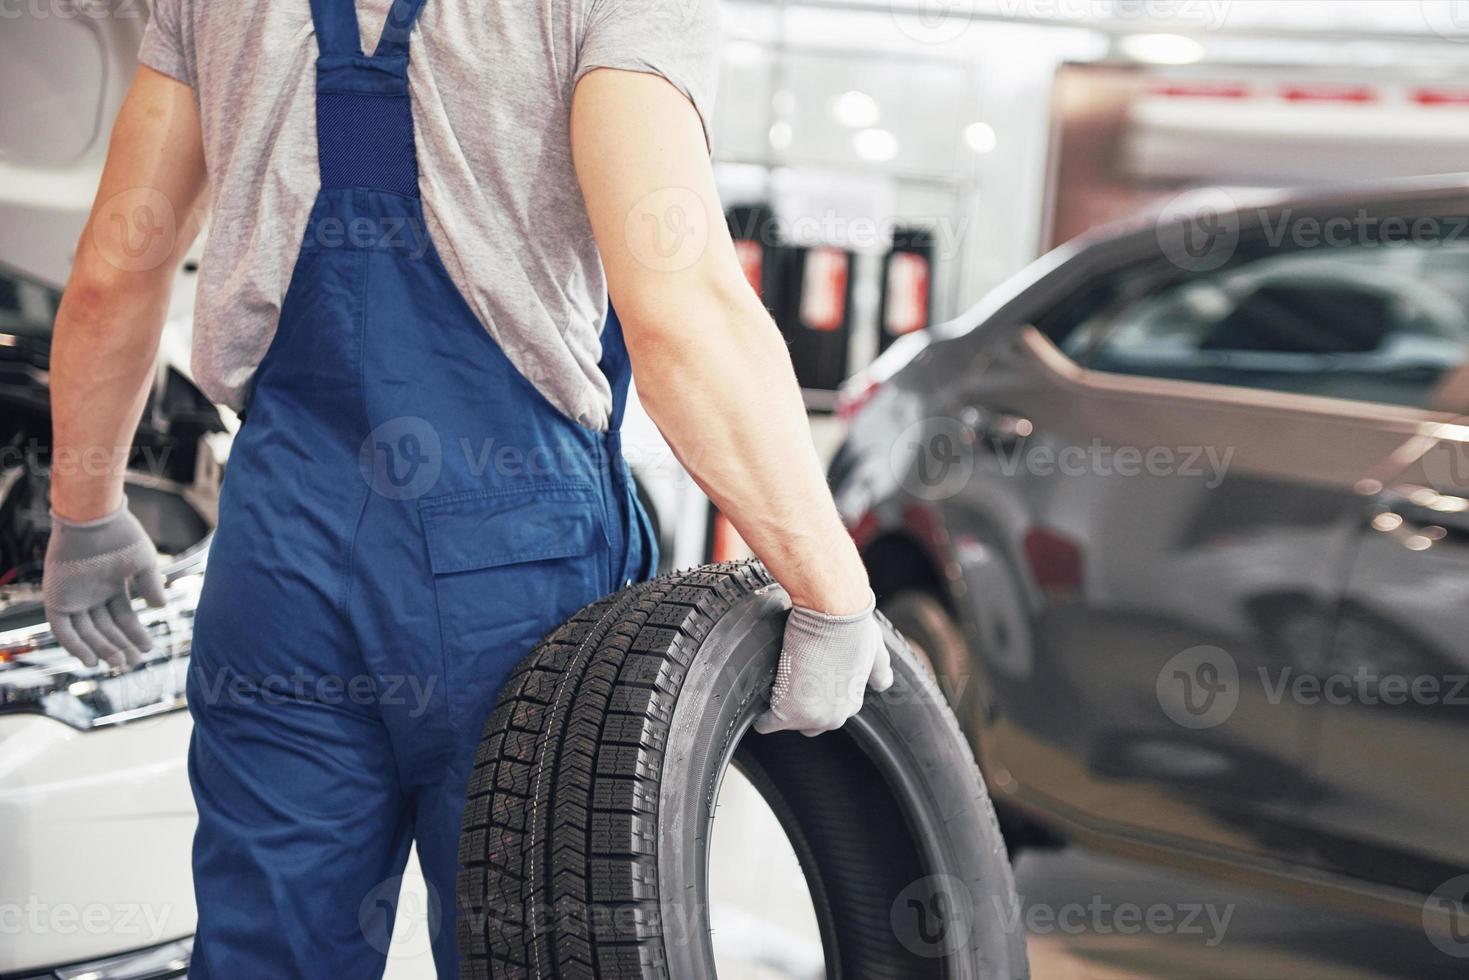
x=491, y=85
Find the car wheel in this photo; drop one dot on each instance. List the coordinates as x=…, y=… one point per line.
x=585, y=839
x=939, y=642
x=933, y=636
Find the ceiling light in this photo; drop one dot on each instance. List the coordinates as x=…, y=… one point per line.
x=856, y=109
x=1162, y=49
x=875, y=145
x=980, y=137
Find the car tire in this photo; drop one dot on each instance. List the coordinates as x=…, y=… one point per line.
x=585, y=835
x=939, y=642
x=932, y=634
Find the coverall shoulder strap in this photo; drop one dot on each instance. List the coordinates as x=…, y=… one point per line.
x=337, y=34
x=336, y=27
x=394, y=39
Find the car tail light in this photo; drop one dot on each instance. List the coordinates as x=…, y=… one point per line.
x=1055, y=560
x=854, y=395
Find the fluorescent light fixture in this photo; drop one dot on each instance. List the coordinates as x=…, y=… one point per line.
x=780, y=135
x=1162, y=49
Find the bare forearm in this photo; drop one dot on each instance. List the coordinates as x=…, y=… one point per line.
x=106, y=335
x=102, y=362
x=719, y=384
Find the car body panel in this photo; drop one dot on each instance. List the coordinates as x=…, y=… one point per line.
x=97, y=831
x=1093, y=599
x=1391, y=770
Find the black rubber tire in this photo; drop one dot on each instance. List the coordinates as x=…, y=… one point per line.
x=584, y=848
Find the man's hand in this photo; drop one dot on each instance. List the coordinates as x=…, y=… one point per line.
x=826, y=663
x=92, y=569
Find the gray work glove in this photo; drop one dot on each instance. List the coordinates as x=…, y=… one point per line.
x=92, y=569
x=826, y=662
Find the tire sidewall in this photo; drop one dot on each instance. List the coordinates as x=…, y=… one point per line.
x=908, y=732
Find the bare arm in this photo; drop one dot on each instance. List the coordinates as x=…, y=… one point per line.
x=713, y=371
x=112, y=311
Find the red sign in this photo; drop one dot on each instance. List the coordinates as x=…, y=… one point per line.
x=824, y=289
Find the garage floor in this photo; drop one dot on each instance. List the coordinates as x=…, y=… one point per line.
x=1263, y=937
x=1088, y=918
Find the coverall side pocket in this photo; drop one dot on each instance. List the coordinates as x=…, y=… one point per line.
x=509, y=566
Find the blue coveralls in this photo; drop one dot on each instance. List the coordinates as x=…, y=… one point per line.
x=404, y=516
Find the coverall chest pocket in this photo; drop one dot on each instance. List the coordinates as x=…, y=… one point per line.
x=509, y=566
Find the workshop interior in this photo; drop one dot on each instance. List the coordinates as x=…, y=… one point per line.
x=1133, y=338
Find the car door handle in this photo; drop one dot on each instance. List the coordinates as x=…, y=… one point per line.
x=997, y=428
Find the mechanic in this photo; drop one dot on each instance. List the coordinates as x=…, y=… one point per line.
x=405, y=286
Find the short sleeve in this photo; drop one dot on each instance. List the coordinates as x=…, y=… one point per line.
x=677, y=39
x=163, y=47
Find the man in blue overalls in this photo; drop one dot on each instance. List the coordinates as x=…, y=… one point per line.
x=409, y=310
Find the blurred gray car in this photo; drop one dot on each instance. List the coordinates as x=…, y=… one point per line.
x=1180, y=516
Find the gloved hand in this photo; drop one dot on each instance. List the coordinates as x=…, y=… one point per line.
x=825, y=664
x=89, y=568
